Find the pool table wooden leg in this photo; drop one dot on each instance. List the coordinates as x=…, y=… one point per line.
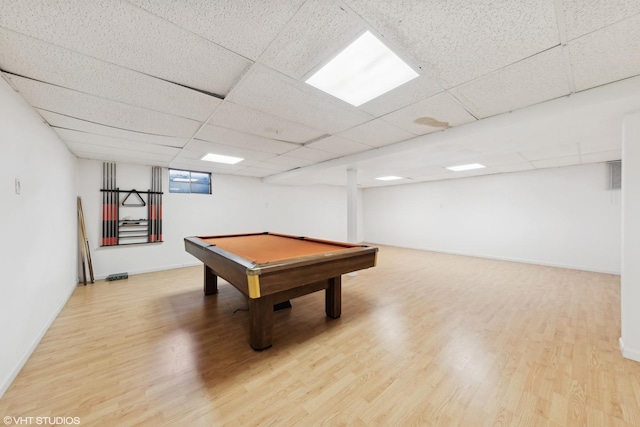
x=261, y=322
x=333, y=297
x=210, y=281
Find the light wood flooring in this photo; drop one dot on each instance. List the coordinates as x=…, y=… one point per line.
x=424, y=339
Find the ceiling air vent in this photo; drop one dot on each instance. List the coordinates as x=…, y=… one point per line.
x=614, y=175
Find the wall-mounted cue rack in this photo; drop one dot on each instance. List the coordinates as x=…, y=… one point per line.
x=121, y=229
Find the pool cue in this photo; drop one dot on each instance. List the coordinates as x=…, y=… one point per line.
x=159, y=204
x=114, y=200
x=81, y=252
x=103, y=203
x=86, y=239
x=150, y=210
x=116, y=219
x=156, y=198
x=107, y=207
x=152, y=237
x=149, y=215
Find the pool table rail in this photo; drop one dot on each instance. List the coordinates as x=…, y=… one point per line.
x=271, y=282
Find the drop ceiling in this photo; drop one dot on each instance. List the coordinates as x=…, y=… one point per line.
x=512, y=84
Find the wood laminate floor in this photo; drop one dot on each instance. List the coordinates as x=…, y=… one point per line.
x=424, y=339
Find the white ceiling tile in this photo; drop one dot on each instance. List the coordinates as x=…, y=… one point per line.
x=84, y=138
x=110, y=152
x=257, y=172
x=409, y=93
x=585, y=16
x=594, y=55
x=121, y=33
x=196, y=148
x=533, y=80
x=106, y=60
x=335, y=144
x=376, y=133
x=102, y=111
x=499, y=159
x=431, y=115
x=48, y=63
x=259, y=123
x=266, y=90
x=311, y=154
x=408, y=172
x=110, y=156
x=319, y=31
x=556, y=162
x=244, y=140
x=274, y=167
x=434, y=177
x=604, y=156
x=219, y=20
x=59, y=121
x=292, y=162
x=514, y=167
x=202, y=166
x=457, y=41
x=562, y=150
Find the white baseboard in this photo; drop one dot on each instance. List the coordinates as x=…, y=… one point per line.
x=629, y=353
x=152, y=270
x=501, y=258
x=27, y=354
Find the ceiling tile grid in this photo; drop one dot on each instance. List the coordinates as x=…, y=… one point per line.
x=376, y=133
x=337, y=145
x=319, y=30
x=219, y=20
x=197, y=148
x=266, y=90
x=458, y=41
x=89, y=151
x=100, y=110
x=139, y=40
x=259, y=123
x=123, y=79
x=536, y=79
x=244, y=140
x=607, y=55
x=582, y=17
x=34, y=59
x=88, y=139
x=433, y=114
x=409, y=93
x=312, y=154
x=59, y=121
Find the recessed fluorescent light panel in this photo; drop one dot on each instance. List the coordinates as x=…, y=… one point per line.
x=362, y=71
x=222, y=159
x=466, y=167
x=389, y=178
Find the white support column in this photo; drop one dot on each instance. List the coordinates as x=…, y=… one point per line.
x=630, y=279
x=352, y=205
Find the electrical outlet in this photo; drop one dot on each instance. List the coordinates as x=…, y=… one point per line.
x=17, y=186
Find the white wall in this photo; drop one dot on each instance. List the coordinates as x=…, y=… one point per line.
x=317, y=211
x=38, y=228
x=237, y=205
x=630, y=286
x=562, y=217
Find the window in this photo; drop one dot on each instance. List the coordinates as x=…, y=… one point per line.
x=181, y=181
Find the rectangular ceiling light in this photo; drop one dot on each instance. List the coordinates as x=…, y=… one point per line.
x=389, y=178
x=222, y=159
x=466, y=167
x=362, y=71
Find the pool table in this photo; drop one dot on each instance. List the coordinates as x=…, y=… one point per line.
x=271, y=268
